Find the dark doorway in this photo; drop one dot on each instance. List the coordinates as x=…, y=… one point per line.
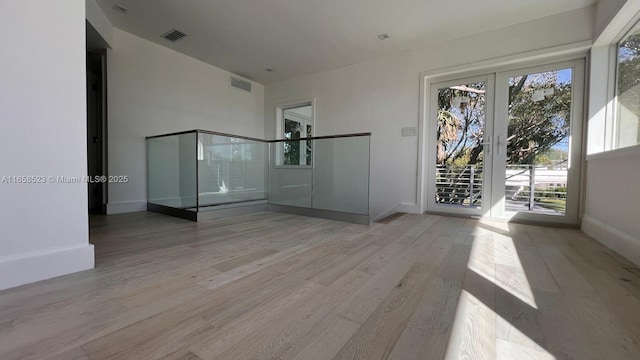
x=96, y=121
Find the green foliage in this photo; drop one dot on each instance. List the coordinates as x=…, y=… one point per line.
x=543, y=159
x=293, y=131
x=628, y=74
x=461, y=128
x=551, y=157
x=536, y=126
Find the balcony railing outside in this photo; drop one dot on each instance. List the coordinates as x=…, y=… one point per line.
x=536, y=189
x=459, y=185
x=527, y=187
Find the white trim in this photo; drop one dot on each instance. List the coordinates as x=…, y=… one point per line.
x=431, y=127
x=40, y=266
x=554, y=54
x=408, y=208
x=423, y=151
x=575, y=56
x=298, y=117
x=399, y=207
x=625, y=152
x=601, y=98
x=280, y=107
x=568, y=52
x=602, y=133
x=577, y=120
x=126, y=207
x=624, y=244
x=619, y=23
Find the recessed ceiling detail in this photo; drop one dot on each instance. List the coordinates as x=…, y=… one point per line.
x=173, y=35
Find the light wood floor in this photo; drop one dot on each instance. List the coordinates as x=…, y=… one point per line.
x=276, y=286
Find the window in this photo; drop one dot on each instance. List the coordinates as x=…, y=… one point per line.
x=297, y=124
x=627, y=118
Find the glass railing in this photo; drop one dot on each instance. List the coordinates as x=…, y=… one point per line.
x=201, y=171
x=341, y=174
x=231, y=169
x=334, y=178
x=171, y=170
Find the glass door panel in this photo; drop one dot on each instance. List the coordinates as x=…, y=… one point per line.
x=508, y=144
x=535, y=134
x=459, y=162
x=538, y=142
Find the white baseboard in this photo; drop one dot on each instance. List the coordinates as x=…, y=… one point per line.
x=618, y=241
x=399, y=207
x=408, y=208
x=126, y=207
x=41, y=266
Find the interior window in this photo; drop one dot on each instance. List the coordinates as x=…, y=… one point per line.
x=297, y=125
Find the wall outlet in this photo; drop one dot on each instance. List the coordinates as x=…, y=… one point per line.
x=410, y=131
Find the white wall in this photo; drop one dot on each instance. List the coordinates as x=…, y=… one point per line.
x=382, y=96
x=43, y=227
x=153, y=90
x=612, y=209
x=612, y=201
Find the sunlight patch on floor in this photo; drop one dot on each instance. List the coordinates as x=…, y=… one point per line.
x=479, y=333
x=495, y=257
x=473, y=332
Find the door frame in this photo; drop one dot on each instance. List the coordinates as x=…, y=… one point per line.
x=489, y=79
x=102, y=131
x=428, y=78
x=575, y=143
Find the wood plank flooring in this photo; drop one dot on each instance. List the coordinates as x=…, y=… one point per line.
x=278, y=286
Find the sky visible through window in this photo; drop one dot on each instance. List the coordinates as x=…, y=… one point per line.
x=563, y=76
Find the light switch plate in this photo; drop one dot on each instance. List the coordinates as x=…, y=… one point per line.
x=409, y=131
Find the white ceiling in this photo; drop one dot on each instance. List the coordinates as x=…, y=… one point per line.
x=297, y=37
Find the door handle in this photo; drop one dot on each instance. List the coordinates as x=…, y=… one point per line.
x=502, y=143
x=489, y=143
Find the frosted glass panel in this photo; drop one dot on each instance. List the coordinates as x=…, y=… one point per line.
x=288, y=185
x=231, y=169
x=341, y=174
x=172, y=170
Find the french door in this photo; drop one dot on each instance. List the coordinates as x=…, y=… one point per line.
x=507, y=144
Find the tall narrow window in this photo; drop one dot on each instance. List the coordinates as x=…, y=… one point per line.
x=627, y=124
x=297, y=126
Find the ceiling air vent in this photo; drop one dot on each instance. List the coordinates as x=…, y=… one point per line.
x=240, y=84
x=120, y=9
x=174, y=35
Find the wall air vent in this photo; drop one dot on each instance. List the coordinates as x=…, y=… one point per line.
x=239, y=83
x=173, y=35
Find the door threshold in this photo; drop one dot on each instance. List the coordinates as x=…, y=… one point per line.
x=506, y=221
